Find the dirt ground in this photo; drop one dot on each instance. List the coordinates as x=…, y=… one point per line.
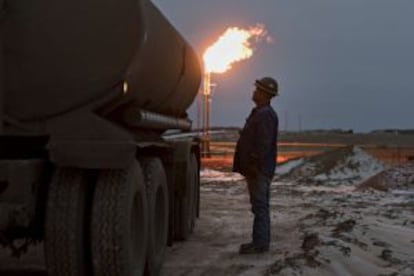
x=30, y=264
x=344, y=213
x=328, y=218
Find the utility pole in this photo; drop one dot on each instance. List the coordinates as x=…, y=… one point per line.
x=286, y=120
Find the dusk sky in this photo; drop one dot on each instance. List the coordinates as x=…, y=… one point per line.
x=340, y=63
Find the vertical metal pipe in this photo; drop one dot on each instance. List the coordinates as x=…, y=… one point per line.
x=199, y=101
x=206, y=119
x=208, y=125
x=203, y=144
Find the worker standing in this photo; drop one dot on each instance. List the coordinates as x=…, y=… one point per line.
x=255, y=159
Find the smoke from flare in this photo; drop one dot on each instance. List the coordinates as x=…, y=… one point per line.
x=233, y=46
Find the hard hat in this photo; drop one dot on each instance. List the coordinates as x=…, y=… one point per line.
x=268, y=85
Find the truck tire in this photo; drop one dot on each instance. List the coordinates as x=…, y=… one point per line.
x=119, y=229
x=196, y=180
x=185, y=207
x=158, y=213
x=66, y=246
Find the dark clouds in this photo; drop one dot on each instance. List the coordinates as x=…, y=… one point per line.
x=340, y=63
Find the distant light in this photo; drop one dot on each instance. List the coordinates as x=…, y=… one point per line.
x=125, y=87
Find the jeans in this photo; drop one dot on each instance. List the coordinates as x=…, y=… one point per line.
x=259, y=187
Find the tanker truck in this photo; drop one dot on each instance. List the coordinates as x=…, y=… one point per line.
x=88, y=90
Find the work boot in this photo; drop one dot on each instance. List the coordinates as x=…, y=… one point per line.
x=250, y=248
x=245, y=245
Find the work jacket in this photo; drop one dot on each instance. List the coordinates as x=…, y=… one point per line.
x=256, y=149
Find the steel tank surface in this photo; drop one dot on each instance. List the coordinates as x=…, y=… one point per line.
x=62, y=54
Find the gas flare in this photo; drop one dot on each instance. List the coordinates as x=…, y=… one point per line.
x=233, y=46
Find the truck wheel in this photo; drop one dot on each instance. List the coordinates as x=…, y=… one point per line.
x=66, y=244
x=157, y=195
x=185, y=206
x=119, y=222
x=196, y=180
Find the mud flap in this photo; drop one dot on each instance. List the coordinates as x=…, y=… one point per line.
x=84, y=140
x=19, y=183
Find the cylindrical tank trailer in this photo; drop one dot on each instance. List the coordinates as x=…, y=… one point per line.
x=61, y=55
x=87, y=88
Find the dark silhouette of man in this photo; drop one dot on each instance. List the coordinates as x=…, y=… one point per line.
x=255, y=159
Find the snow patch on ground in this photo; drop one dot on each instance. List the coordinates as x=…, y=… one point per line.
x=356, y=167
x=288, y=166
x=344, y=166
x=208, y=175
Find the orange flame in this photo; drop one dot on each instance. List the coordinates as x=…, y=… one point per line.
x=233, y=46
